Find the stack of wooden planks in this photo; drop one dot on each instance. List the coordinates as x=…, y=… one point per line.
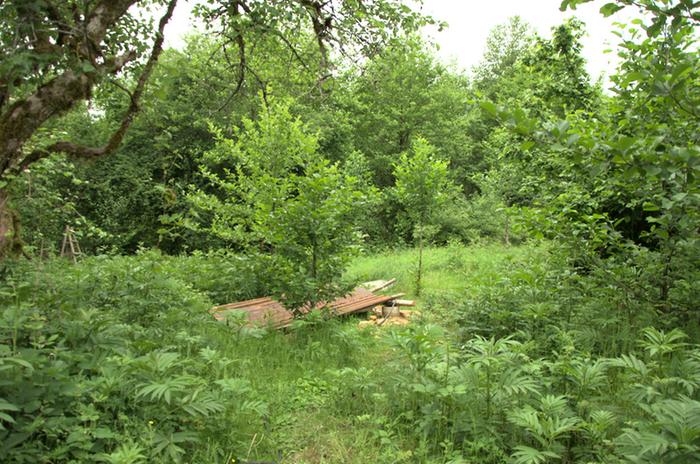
x=266, y=312
x=261, y=312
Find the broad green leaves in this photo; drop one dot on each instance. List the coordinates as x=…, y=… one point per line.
x=610, y=9
x=423, y=184
x=281, y=201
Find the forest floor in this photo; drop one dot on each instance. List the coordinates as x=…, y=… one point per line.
x=132, y=334
x=302, y=391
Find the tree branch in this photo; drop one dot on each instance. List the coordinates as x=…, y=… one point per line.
x=240, y=41
x=77, y=150
x=123, y=88
x=4, y=93
x=242, y=65
x=20, y=120
x=321, y=27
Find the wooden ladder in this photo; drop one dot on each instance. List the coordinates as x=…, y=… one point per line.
x=70, y=246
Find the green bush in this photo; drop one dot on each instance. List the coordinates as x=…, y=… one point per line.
x=113, y=360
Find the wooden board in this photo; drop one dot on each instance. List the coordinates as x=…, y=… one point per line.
x=378, y=285
x=261, y=312
x=266, y=312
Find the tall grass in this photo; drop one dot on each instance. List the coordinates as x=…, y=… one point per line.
x=454, y=269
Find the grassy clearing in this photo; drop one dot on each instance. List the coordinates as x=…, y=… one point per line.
x=299, y=372
x=448, y=270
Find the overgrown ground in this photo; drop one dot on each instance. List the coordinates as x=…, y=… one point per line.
x=448, y=270
x=116, y=360
x=322, y=431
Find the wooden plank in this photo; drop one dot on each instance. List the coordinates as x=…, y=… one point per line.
x=364, y=304
x=381, y=285
x=241, y=304
x=266, y=311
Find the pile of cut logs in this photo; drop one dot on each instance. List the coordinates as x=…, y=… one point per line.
x=391, y=314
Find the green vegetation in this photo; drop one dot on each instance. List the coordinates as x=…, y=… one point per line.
x=124, y=364
x=422, y=187
x=279, y=192
x=547, y=228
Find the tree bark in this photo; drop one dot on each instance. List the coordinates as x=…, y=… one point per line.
x=57, y=96
x=506, y=235
x=419, y=274
x=10, y=244
x=23, y=118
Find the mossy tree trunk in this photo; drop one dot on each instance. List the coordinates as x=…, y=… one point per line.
x=10, y=242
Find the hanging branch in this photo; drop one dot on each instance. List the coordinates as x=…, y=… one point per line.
x=117, y=137
x=242, y=64
x=83, y=88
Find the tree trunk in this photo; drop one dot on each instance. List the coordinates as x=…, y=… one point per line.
x=419, y=274
x=666, y=280
x=10, y=244
x=506, y=235
x=314, y=258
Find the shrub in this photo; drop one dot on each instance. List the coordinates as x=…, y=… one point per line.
x=108, y=361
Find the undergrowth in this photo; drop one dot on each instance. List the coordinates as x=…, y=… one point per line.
x=516, y=358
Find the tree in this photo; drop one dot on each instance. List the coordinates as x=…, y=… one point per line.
x=548, y=81
x=422, y=186
x=278, y=200
x=402, y=93
x=54, y=54
x=505, y=46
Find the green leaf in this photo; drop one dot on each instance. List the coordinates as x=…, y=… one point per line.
x=624, y=143
x=610, y=9
x=20, y=362
x=88, y=67
x=528, y=455
x=103, y=433
x=489, y=107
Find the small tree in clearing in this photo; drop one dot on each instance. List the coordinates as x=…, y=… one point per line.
x=285, y=204
x=422, y=187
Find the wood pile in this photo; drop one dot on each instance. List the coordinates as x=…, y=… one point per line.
x=267, y=312
x=390, y=315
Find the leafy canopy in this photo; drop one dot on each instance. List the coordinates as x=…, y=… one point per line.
x=281, y=201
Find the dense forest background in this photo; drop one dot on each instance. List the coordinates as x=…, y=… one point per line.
x=558, y=216
x=363, y=119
